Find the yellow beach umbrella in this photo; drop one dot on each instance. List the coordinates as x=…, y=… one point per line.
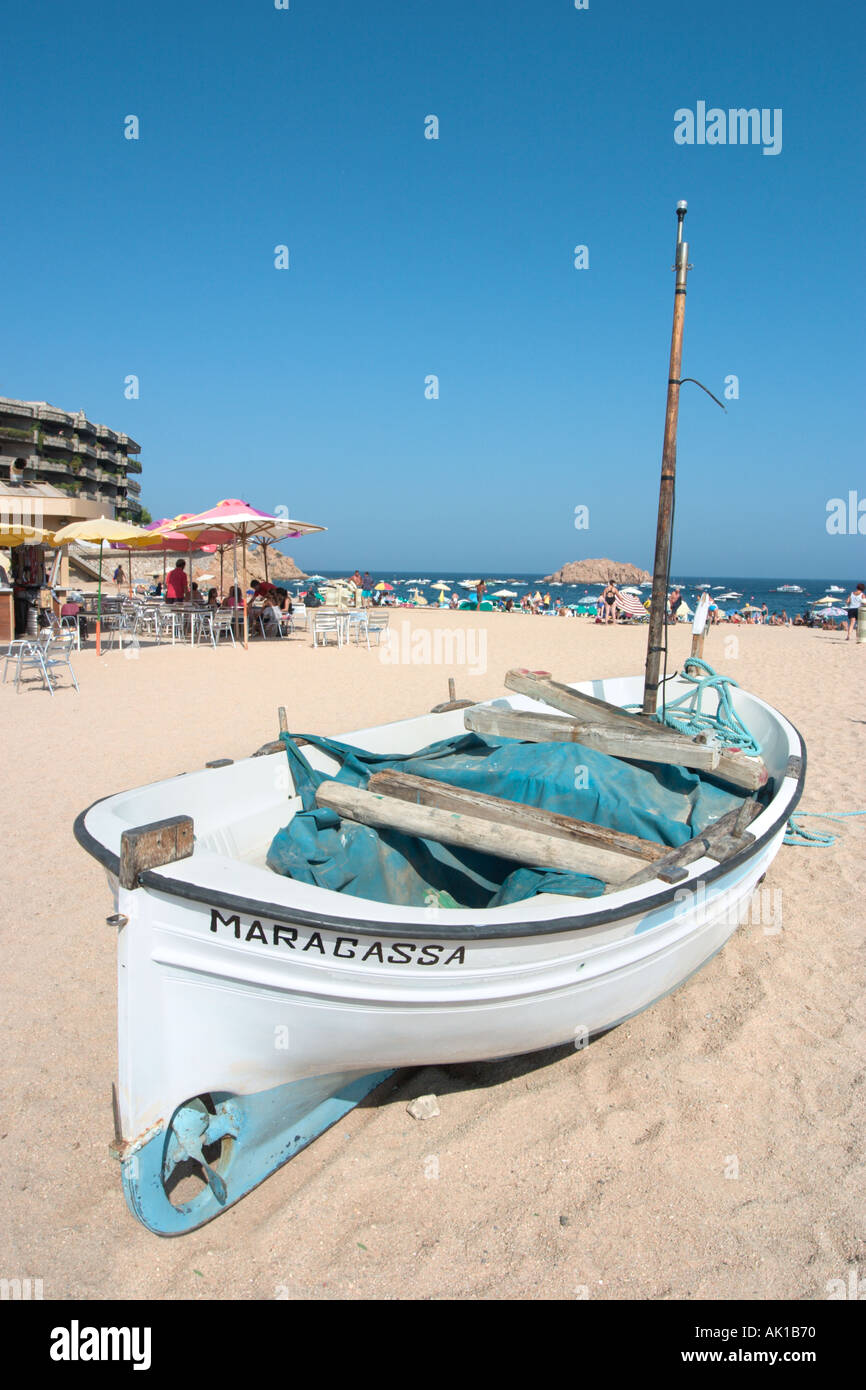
x=101, y=529
x=18, y=533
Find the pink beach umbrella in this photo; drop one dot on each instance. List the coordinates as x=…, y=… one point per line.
x=237, y=520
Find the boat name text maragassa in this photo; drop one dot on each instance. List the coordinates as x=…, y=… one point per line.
x=344, y=947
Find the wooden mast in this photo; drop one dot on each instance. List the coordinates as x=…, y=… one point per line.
x=669, y=468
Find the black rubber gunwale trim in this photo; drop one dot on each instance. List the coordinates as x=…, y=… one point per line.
x=277, y=912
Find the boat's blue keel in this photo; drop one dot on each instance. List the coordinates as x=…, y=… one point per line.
x=231, y=1143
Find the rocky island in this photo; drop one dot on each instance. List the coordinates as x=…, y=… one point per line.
x=598, y=572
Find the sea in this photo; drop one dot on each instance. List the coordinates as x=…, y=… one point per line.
x=742, y=590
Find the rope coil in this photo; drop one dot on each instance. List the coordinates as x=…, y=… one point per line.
x=687, y=717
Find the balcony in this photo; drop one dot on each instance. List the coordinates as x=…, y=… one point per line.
x=57, y=417
x=13, y=432
x=133, y=488
x=55, y=465
x=103, y=432
x=132, y=465
x=9, y=407
x=58, y=441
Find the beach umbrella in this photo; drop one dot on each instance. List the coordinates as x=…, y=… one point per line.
x=440, y=585
x=101, y=529
x=383, y=585
x=233, y=518
x=631, y=605
x=828, y=598
x=161, y=536
x=505, y=593
x=14, y=533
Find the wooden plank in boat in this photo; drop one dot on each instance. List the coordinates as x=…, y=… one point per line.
x=539, y=685
x=424, y=791
x=472, y=832
x=620, y=743
x=151, y=846
x=719, y=841
x=740, y=769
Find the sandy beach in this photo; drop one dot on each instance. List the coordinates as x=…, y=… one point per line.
x=601, y=1173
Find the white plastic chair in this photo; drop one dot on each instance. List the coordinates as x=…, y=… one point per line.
x=358, y=623
x=377, y=623
x=324, y=624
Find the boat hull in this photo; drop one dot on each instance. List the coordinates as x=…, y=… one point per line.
x=287, y=1000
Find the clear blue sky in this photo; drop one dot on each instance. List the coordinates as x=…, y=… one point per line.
x=412, y=257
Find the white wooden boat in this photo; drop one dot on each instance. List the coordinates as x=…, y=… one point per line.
x=255, y=1010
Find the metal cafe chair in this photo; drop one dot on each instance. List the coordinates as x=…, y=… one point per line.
x=44, y=655
x=222, y=625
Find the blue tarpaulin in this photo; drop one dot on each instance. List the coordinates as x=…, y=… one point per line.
x=666, y=804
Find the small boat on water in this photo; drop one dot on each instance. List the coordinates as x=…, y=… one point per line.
x=788, y=589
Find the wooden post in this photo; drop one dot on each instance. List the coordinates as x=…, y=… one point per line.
x=151, y=846
x=669, y=467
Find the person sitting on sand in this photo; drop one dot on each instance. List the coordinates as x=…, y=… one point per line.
x=674, y=603
x=177, y=584
x=856, y=599
x=453, y=601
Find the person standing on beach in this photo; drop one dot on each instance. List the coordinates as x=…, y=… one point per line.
x=609, y=599
x=366, y=589
x=856, y=599
x=118, y=577
x=480, y=591
x=177, y=584
x=674, y=603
